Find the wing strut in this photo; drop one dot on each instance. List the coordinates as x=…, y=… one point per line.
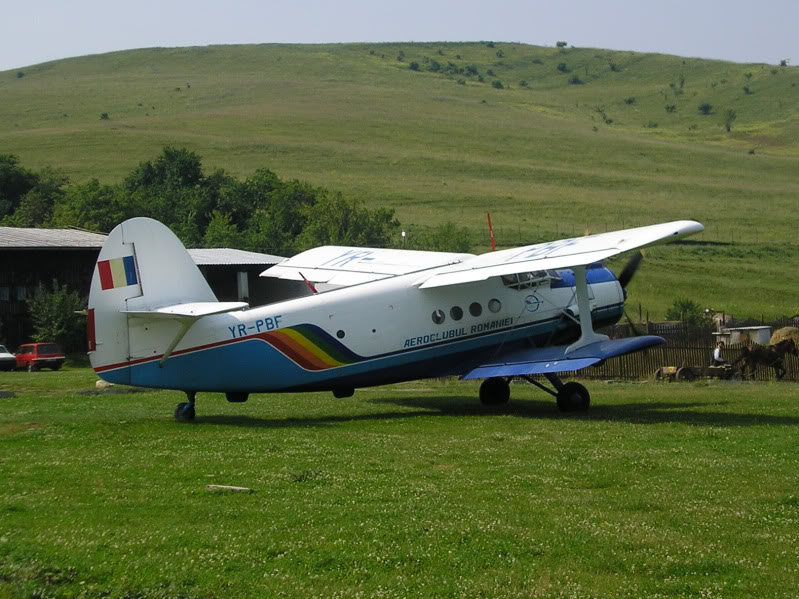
x=587, y=333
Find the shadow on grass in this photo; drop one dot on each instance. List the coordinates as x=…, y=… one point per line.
x=694, y=413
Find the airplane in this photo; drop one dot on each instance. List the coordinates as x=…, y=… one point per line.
x=382, y=316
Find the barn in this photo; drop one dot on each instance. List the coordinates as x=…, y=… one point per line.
x=30, y=257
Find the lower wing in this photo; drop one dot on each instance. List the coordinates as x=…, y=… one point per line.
x=543, y=360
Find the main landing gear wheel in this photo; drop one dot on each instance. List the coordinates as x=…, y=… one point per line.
x=184, y=411
x=573, y=397
x=494, y=391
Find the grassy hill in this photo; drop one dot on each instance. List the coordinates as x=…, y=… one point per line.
x=548, y=158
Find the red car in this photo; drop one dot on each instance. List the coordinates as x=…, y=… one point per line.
x=34, y=356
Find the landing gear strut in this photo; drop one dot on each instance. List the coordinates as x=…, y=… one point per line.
x=571, y=397
x=184, y=411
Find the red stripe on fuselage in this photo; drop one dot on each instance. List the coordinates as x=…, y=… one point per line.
x=106, y=278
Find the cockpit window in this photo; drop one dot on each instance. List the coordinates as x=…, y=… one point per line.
x=528, y=280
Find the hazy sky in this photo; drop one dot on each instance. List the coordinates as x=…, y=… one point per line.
x=36, y=31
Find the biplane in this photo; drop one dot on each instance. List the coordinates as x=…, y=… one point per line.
x=384, y=316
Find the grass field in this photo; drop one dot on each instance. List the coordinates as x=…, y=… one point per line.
x=548, y=159
x=681, y=490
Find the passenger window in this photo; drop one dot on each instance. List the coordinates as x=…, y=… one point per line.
x=456, y=313
x=494, y=305
x=438, y=316
x=475, y=309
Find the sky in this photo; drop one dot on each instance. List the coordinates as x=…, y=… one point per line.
x=737, y=30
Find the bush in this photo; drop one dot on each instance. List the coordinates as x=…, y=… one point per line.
x=490, y=73
x=747, y=90
x=688, y=311
x=20, y=74
x=500, y=54
x=54, y=317
x=563, y=67
x=729, y=117
x=671, y=108
x=497, y=84
x=651, y=125
x=104, y=116
x=630, y=100
x=561, y=44
x=614, y=67
x=523, y=83
x=414, y=66
x=537, y=61
x=575, y=80
x=490, y=45
x=705, y=108
x=434, y=67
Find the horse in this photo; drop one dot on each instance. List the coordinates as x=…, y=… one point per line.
x=772, y=355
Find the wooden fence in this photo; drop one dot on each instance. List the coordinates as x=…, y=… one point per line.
x=683, y=347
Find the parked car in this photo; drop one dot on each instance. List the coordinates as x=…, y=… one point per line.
x=7, y=359
x=34, y=356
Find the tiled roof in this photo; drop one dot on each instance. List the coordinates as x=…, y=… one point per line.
x=18, y=238
x=227, y=256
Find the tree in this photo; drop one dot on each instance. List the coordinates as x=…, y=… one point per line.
x=221, y=232
x=561, y=44
x=36, y=206
x=334, y=220
x=729, y=117
x=689, y=312
x=15, y=182
x=705, y=108
x=91, y=206
x=54, y=316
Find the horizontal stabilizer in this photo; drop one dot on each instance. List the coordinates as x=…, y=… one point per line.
x=189, y=310
x=542, y=360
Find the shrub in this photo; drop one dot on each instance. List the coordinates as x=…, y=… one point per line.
x=575, y=80
x=671, y=108
x=563, y=67
x=537, y=61
x=729, y=117
x=20, y=74
x=651, y=125
x=434, y=66
x=523, y=83
x=784, y=62
x=747, y=90
x=630, y=100
x=490, y=73
x=561, y=44
x=471, y=70
x=414, y=66
x=705, y=108
x=53, y=312
x=490, y=45
x=614, y=67
x=689, y=312
x=500, y=54
x=497, y=84
x=461, y=82
x=104, y=116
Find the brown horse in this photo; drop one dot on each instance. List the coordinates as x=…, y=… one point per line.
x=772, y=355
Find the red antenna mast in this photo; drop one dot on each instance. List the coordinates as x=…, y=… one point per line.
x=491, y=233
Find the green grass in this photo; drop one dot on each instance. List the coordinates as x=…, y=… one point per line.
x=542, y=159
x=409, y=490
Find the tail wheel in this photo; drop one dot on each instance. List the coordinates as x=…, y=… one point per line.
x=573, y=397
x=184, y=412
x=494, y=392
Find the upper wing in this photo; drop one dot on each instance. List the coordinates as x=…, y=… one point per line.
x=542, y=360
x=559, y=254
x=336, y=265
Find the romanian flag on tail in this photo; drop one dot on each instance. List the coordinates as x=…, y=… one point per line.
x=119, y=272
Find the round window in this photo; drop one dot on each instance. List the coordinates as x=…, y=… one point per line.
x=438, y=316
x=475, y=309
x=494, y=305
x=340, y=334
x=456, y=313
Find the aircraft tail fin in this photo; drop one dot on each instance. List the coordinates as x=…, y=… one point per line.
x=142, y=278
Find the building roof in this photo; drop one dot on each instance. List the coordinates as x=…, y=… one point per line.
x=29, y=239
x=227, y=256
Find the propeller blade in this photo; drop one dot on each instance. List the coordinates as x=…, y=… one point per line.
x=629, y=269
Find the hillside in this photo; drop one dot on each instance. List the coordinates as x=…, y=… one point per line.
x=547, y=157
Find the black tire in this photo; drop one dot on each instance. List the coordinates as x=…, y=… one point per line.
x=342, y=392
x=237, y=396
x=686, y=373
x=184, y=412
x=573, y=397
x=494, y=392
